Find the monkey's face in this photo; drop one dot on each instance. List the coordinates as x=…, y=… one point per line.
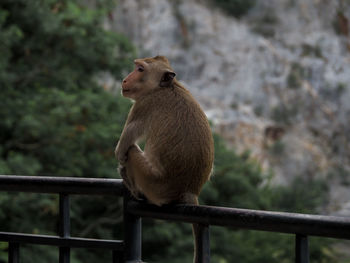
x=131, y=85
x=148, y=75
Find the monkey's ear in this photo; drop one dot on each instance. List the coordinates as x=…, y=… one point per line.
x=167, y=79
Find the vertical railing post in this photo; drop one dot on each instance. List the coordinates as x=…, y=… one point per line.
x=202, y=242
x=13, y=254
x=301, y=249
x=117, y=257
x=64, y=227
x=132, y=234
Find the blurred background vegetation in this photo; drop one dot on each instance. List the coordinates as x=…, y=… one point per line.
x=56, y=119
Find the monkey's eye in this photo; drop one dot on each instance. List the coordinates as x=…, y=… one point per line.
x=140, y=68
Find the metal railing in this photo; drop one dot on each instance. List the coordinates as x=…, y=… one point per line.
x=64, y=186
x=129, y=249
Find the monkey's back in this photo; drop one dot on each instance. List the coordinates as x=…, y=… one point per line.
x=178, y=138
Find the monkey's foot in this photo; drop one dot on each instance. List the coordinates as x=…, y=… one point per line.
x=129, y=184
x=122, y=172
x=138, y=196
x=126, y=181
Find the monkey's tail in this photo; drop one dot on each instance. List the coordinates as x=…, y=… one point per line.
x=198, y=232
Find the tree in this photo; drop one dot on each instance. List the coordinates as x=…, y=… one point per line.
x=55, y=117
x=236, y=8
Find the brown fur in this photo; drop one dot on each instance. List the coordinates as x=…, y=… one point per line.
x=179, y=152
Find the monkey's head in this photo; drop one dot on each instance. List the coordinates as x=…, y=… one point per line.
x=148, y=75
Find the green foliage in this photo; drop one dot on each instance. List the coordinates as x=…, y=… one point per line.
x=277, y=149
x=54, y=106
x=233, y=174
x=265, y=24
x=55, y=119
x=237, y=8
x=340, y=20
x=309, y=50
x=341, y=88
x=342, y=174
x=333, y=91
x=298, y=73
x=285, y=114
x=303, y=195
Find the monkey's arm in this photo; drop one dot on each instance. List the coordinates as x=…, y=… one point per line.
x=131, y=133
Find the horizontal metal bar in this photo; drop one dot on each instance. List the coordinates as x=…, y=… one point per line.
x=313, y=225
x=70, y=185
x=116, y=245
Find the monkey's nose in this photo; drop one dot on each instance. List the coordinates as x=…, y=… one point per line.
x=124, y=80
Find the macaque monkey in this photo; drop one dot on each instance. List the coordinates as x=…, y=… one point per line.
x=179, y=151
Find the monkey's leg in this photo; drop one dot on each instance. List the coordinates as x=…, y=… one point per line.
x=145, y=175
x=128, y=182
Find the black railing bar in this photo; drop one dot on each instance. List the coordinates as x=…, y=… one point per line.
x=117, y=257
x=132, y=234
x=76, y=242
x=64, y=218
x=301, y=249
x=13, y=253
x=70, y=185
x=293, y=223
x=64, y=226
x=64, y=255
x=202, y=243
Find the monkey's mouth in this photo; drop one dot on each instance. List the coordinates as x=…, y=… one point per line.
x=126, y=90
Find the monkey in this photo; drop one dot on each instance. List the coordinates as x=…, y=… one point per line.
x=178, y=154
